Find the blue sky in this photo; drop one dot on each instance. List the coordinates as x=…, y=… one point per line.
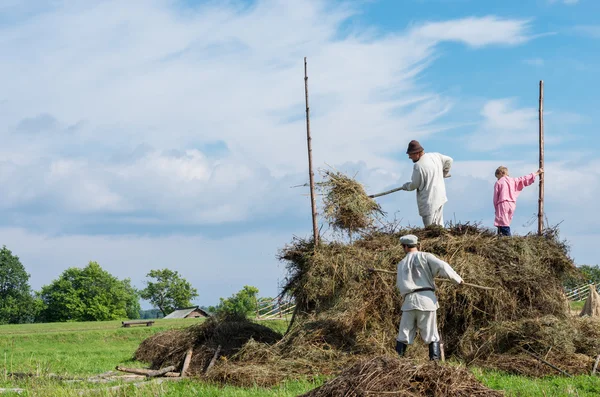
x=150, y=134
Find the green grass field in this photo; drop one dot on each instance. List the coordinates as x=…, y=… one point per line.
x=87, y=349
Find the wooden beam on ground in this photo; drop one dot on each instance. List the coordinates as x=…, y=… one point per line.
x=186, y=362
x=150, y=373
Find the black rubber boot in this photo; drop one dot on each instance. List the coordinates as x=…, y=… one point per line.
x=434, y=351
x=400, y=348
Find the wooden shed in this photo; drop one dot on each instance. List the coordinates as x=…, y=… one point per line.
x=188, y=312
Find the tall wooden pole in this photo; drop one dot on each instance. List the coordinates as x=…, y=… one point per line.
x=311, y=175
x=541, y=128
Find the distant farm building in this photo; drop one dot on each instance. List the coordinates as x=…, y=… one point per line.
x=188, y=312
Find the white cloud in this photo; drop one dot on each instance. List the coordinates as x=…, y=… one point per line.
x=477, y=32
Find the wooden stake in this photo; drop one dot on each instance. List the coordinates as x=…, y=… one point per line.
x=547, y=363
x=186, y=361
x=311, y=175
x=148, y=372
x=541, y=131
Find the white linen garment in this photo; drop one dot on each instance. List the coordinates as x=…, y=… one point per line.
x=428, y=180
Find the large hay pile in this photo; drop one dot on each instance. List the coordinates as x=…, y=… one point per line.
x=332, y=283
x=346, y=205
x=383, y=375
x=347, y=313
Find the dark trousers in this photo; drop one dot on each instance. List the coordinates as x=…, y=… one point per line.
x=504, y=230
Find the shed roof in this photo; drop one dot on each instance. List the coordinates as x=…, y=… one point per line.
x=182, y=313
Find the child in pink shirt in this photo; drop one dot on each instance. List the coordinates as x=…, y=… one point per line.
x=506, y=191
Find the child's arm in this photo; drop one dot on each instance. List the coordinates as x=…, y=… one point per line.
x=526, y=180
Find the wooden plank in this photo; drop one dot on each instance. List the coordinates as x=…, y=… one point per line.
x=186, y=362
x=213, y=360
x=148, y=372
x=136, y=322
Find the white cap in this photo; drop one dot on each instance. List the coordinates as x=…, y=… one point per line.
x=409, y=239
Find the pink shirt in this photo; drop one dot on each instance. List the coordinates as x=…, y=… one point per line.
x=508, y=189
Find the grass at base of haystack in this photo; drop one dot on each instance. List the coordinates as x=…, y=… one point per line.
x=552, y=386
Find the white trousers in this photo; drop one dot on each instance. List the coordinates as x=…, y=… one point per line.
x=434, y=218
x=425, y=322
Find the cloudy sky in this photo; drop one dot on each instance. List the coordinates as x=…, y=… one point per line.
x=169, y=133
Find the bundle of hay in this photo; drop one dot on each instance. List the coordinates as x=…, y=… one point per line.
x=390, y=376
x=591, y=307
x=346, y=205
x=227, y=336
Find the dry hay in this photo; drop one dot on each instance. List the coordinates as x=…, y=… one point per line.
x=591, y=307
x=231, y=334
x=526, y=365
x=382, y=376
x=332, y=285
x=346, y=205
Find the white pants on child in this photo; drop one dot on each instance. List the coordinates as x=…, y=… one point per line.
x=412, y=320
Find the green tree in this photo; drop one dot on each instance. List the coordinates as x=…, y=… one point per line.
x=169, y=292
x=585, y=274
x=17, y=304
x=243, y=303
x=89, y=294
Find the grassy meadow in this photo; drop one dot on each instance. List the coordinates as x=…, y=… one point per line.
x=81, y=350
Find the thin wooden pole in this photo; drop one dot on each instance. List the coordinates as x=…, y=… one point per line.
x=311, y=175
x=541, y=190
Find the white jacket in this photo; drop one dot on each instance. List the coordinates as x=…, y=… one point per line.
x=418, y=270
x=428, y=179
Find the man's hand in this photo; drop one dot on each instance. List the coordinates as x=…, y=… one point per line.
x=540, y=171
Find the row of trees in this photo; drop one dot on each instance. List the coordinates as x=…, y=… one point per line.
x=88, y=294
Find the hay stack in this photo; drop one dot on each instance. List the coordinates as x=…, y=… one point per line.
x=591, y=307
x=381, y=376
x=332, y=285
x=346, y=205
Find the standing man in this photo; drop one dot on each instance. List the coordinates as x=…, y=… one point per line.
x=428, y=175
x=415, y=280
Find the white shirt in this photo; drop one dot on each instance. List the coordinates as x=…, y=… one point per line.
x=428, y=179
x=418, y=270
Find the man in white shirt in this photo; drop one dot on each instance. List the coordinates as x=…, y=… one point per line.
x=415, y=280
x=428, y=175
